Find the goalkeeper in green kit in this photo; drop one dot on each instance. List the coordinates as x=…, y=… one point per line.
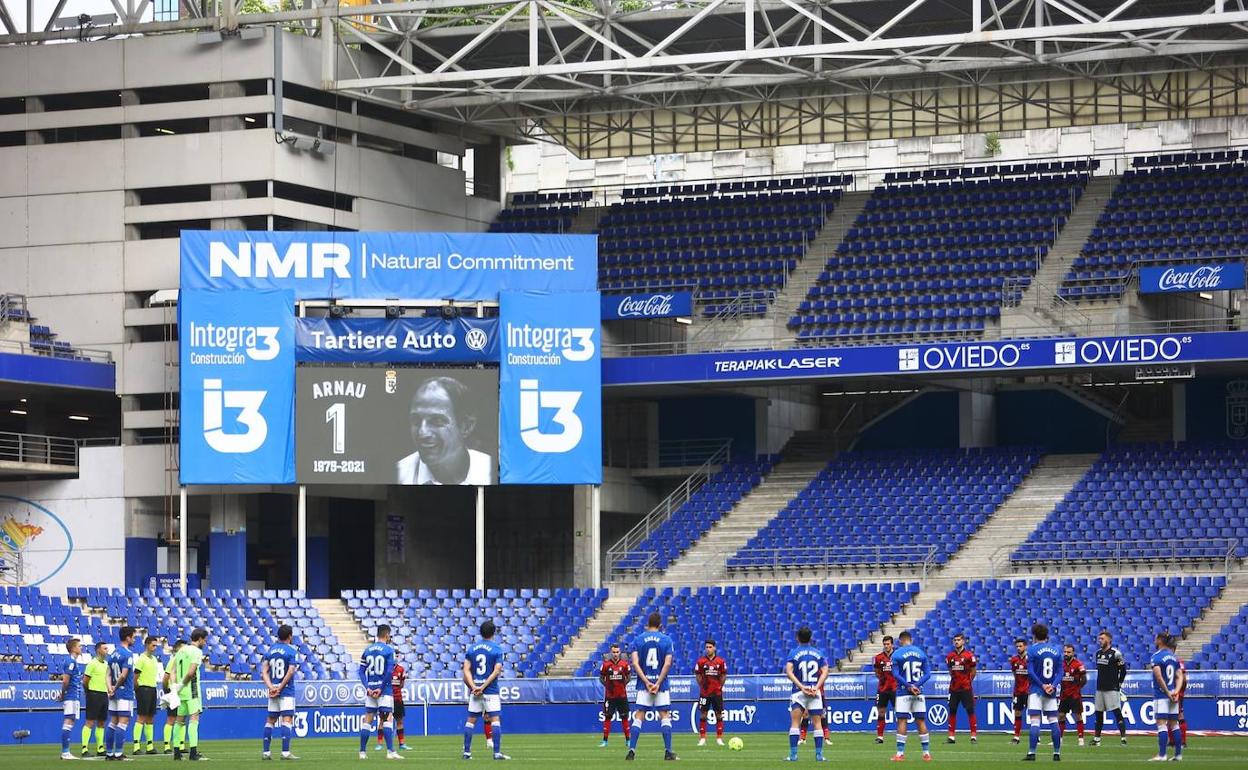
x=185, y=666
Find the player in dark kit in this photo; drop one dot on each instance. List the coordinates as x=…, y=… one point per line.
x=1074, y=677
x=711, y=671
x=886, y=694
x=1111, y=672
x=961, y=663
x=614, y=675
x=1022, y=685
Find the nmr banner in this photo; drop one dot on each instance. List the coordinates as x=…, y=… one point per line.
x=318, y=265
x=1175, y=279
x=401, y=340
x=237, y=364
x=550, y=389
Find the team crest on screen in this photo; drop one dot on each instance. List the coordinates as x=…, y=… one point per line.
x=392, y=382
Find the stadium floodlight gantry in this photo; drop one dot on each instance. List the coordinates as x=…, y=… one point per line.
x=620, y=77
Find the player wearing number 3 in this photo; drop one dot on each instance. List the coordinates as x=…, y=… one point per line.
x=483, y=665
x=278, y=670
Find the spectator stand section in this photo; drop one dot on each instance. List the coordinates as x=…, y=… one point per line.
x=19, y=330
x=541, y=212
x=1228, y=649
x=33, y=631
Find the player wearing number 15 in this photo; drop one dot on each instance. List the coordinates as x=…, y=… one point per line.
x=278, y=670
x=376, y=668
x=1167, y=684
x=1044, y=664
x=807, y=669
x=483, y=665
x=652, y=660
x=911, y=669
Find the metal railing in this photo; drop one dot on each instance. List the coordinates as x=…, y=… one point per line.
x=680, y=453
x=669, y=505
x=1120, y=554
x=97, y=355
x=45, y=450
x=777, y=561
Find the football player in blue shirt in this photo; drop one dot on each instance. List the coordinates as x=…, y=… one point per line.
x=1167, y=684
x=652, y=660
x=278, y=670
x=911, y=669
x=120, y=694
x=71, y=693
x=1045, y=666
x=376, y=667
x=807, y=669
x=483, y=665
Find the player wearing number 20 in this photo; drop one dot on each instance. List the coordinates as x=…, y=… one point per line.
x=483, y=665
x=1044, y=664
x=278, y=670
x=376, y=670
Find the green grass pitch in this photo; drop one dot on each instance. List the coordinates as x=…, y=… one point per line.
x=761, y=750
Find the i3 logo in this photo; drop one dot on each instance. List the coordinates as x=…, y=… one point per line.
x=532, y=401
x=216, y=401
x=908, y=359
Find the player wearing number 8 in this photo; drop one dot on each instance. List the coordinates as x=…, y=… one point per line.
x=1044, y=664
x=278, y=670
x=483, y=665
x=376, y=669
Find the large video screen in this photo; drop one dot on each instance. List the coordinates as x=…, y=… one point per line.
x=408, y=426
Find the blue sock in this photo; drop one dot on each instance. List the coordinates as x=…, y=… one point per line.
x=901, y=744
x=632, y=740
x=925, y=742
x=1163, y=737
x=268, y=737
x=1176, y=740
x=819, y=744
x=1055, y=732
x=793, y=735
x=65, y=731
x=666, y=729
x=498, y=737
x=388, y=732
x=366, y=732
x=1033, y=738
x=287, y=732
x=468, y=738
x=108, y=739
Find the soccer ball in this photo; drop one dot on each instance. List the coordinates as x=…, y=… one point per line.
x=735, y=743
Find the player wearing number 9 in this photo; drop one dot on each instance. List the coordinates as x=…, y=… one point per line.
x=442, y=421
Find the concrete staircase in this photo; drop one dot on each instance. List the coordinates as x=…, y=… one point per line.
x=602, y=623
x=586, y=220
x=1220, y=611
x=342, y=623
x=815, y=260
x=1031, y=502
x=706, y=561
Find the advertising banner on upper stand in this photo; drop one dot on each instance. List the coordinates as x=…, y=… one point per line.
x=1175, y=279
x=397, y=341
x=550, y=389
x=929, y=358
x=672, y=304
x=322, y=265
x=237, y=371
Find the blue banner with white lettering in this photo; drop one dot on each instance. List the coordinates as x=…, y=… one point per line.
x=394, y=341
x=237, y=367
x=550, y=389
x=983, y=356
x=1175, y=279
x=320, y=265
x=672, y=304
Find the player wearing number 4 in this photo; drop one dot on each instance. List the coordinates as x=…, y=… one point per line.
x=483, y=665
x=652, y=660
x=1044, y=664
x=911, y=670
x=376, y=669
x=278, y=670
x=1167, y=685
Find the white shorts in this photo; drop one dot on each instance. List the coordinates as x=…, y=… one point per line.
x=1164, y=708
x=658, y=700
x=811, y=704
x=123, y=707
x=284, y=704
x=1108, y=700
x=380, y=703
x=911, y=704
x=71, y=708
x=485, y=704
x=1037, y=702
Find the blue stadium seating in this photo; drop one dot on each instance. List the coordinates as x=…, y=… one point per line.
x=33, y=630
x=754, y=626
x=241, y=625
x=1185, y=207
x=691, y=520
x=1228, y=649
x=1196, y=493
x=992, y=613
x=540, y=212
x=864, y=505
x=934, y=252
x=432, y=627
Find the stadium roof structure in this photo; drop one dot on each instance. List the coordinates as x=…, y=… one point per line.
x=622, y=77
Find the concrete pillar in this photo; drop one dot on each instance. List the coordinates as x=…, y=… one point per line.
x=977, y=418
x=226, y=91
x=129, y=130
x=1178, y=410
x=227, y=542
x=652, y=434
x=586, y=537
x=34, y=104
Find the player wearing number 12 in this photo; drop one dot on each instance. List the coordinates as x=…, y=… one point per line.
x=376, y=669
x=911, y=669
x=483, y=665
x=1044, y=664
x=652, y=660
x=278, y=670
x=807, y=669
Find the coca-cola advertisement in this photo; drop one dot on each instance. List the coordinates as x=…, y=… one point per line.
x=671, y=304
x=1171, y=279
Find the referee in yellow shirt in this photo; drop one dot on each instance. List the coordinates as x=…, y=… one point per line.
x=95, y=682
x=148, y=671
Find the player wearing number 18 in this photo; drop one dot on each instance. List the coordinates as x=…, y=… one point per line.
x=376, y=669
x=278, y=670
x=483, y=665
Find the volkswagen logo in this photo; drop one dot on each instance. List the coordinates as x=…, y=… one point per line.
x=937, y=714
x=476, y=339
